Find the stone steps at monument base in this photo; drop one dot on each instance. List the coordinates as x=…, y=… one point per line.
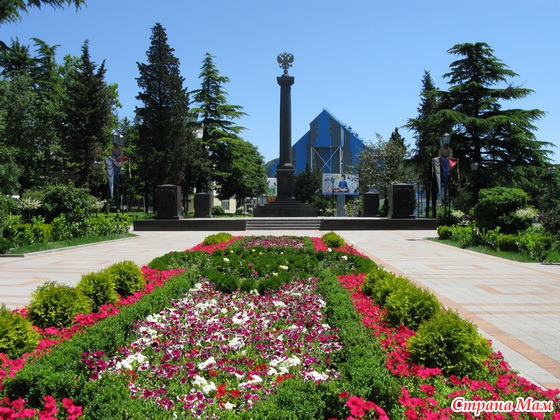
x=283, y=224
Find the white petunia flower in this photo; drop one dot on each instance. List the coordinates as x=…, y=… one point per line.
x=316, y=376
x=226, y=259
x=236, y=343
x=200, y=381
x=345, y=258
x=229, y=406
x=207, y=388
x=206, y=363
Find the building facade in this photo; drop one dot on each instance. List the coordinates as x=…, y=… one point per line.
x=329, y=146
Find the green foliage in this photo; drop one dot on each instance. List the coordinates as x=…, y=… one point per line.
x=59, y=199
x=508, y=243
x=17, y=335
x=498, y=207
x=451, y=343
x=333, y=240
x=379, y=284
x=104, y=225
x=307, y=185
x=217, y=238
x=410, y=306
x=195, y=260
x=99, y=288
x=163, y=118
x=483, y=130
x=12, y=11
x=444, y=232
x=87, y=115
x=382, y=164
x=293, y=399
x=110, y=398
x=361, y=360
x=55, y=305
x=218, y=211
x=127, y=277
x=535, y=244
x=551, y=222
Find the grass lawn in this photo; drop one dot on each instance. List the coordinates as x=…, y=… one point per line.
x=553, y=256
x=27, y=249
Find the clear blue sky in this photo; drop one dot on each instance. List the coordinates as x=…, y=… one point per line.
x=361, y=59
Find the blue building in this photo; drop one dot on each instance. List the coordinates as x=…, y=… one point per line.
x=328, y=146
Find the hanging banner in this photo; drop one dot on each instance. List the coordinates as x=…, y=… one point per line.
x=437, y=170
x=340, y=184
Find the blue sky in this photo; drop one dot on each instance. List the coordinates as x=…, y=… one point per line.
x=361, y=59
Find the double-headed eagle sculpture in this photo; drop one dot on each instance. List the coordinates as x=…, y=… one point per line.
x=285, y=61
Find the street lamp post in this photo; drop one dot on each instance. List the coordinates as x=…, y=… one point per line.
x=474, y=169
x=551, y=172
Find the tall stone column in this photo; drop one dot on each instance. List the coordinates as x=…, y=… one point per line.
x=285, y=171
x=285, y=205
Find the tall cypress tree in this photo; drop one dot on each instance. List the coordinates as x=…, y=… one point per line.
x=426, y=135
x=165, y=141
x=87, y=116
x=499, y=140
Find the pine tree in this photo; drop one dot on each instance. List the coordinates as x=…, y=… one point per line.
x=87, y=116
x=10, y=10
x=217, y=117
x=165, y=143
x=499, y=140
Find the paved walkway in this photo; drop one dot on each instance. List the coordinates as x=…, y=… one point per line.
x=515, y=305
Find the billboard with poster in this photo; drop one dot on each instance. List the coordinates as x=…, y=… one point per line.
x=271, y=187
x=340, y=184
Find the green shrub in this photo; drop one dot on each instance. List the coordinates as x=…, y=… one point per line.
x=410, y=306
x=508, y=243
x=57, y=199
x=491, y=237
x=218, y=211
x=534, y=244
x=103, y=226
x=55, y=305
x=217, y=238
x=99, y=287
x=333, y=240
x=127, y=276
x=444, y=232
x=451, y=343
x=17, y=335
x=196, y=260
x=383, y=285
x=464, y=235
x=498, y=207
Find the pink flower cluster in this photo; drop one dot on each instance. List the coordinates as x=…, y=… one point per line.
x=211, y=248
x=16, y=409
x=212, y=351
x=427, y=404
x=273, y=241
x=347, y=249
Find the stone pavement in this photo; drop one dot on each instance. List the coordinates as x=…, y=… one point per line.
x=515, y=305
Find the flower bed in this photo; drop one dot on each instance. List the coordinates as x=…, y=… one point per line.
x=308, y=344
